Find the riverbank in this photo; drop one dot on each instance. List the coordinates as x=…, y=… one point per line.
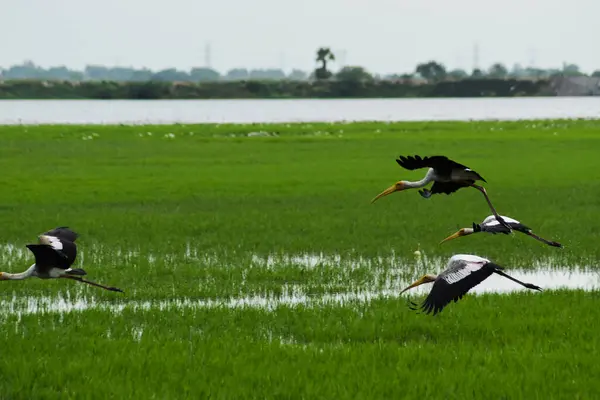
x=154, y=90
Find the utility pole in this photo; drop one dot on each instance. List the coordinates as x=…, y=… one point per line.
x=532, y=57
x=475, y=56
x=207, y=54
x=343, y=54
x=282, y=60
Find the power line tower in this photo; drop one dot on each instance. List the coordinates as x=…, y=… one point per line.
x=475, y=56
x=282, y=60
x=342, y=58
x=531, y=57
x=207, y=54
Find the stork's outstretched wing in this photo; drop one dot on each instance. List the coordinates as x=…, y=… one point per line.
x=63, y=233
x=436, y=162
x=454, y=283
x=62, y=246
x=47, y=258
x=491, y=225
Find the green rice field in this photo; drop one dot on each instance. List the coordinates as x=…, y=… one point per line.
x=254, y=265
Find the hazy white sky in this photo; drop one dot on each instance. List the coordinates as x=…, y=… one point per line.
x=384, y=36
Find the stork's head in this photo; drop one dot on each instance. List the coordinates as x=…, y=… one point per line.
x=3, y=277
x=396, y=187
x=424, y=279
x=461, y=232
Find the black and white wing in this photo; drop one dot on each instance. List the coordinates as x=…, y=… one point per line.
x=64, y=247
x=47, y=258
x=491, y=225
x=463, y=273
x=63, y=233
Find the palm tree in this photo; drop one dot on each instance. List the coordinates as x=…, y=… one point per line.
x=324, y=55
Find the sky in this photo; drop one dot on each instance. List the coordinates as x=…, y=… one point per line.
x=384, y=36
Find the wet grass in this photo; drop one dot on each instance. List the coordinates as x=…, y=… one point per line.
x=300, y=193
x=520, y=346
x=195, y=214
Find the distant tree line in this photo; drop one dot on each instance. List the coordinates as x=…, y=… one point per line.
x=429, y=79
x=30, y=71
x=429, y=71
x=351, y=88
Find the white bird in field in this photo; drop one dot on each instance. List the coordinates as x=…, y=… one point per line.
x=491, y=225
x=54, y=255
x=464, y=271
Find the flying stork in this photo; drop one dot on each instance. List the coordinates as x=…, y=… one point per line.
x=491, y=225
x=54, y=255
x=448, y=176
x=464, y=271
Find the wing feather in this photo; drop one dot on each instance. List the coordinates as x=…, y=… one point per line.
x=453, y=284
x=494, y=229
x=60, y=242
x=491, y=225
x=47, y=258
x=63, y=233
x=444, y=168
x=436, y=162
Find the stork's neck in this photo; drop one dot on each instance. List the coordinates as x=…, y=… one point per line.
x=22, y=275
x=419, y=184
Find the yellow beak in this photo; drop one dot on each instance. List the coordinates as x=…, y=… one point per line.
x=454, y=236
x=421, y=281
x=394, y=188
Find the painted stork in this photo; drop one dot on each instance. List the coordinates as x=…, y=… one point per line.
x=448, y=176
x=54, y=255
x=491, y=225
x=464, y=271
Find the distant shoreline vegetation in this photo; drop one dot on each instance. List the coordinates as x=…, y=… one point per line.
x=268, y=89
x=429, y=79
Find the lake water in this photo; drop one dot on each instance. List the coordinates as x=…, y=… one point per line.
x=309, y=110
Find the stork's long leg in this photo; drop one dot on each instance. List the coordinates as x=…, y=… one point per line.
x=498, y=217
x=541, y=239
x=75, y=278
x=527, y=285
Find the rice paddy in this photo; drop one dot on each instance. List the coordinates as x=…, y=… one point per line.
x=255, y=266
